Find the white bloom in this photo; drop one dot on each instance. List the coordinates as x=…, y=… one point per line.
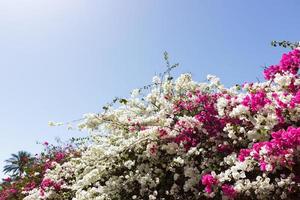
x=51, y=123
x=129, y=164
x=239, y=110
x=183, y=82
x=135, y=93
x=282, y=80
x=156, y=80
x=179, y=160
x=221, y=105
x=213, y=79
x=171, y=148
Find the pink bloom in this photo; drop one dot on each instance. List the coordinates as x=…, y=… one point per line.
x=282, y=148
x=289, y=62
x=59, y=156
x=270, y=72
x=229, y=191
x=30, y=186
x=295, y=100
x=152, y=148
x=162, y=133
x=48, y=165
x=208, y=181
x=13, y=191
x=8, y=179
x=47, y=183
x=243, y=154
x=256, y=101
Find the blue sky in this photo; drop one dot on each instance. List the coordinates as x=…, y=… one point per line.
x=60, y=59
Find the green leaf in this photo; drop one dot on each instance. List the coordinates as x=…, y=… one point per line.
x=123, y=101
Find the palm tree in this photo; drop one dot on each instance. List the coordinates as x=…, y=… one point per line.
x=17, y=164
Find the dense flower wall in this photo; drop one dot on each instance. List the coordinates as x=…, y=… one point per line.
x=189, y=140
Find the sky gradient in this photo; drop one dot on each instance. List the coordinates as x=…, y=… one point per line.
x=60, y=59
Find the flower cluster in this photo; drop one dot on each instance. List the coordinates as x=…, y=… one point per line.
x=18, y=187
x=190, y=140
x=288, y=64
x=279, y=152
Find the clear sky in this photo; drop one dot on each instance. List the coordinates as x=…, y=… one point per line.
x=60, y=59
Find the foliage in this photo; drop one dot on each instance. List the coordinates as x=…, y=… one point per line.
x=18, y=163
x=285, y=44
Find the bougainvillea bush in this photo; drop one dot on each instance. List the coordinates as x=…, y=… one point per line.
x=187, y=140
x=17, y=187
